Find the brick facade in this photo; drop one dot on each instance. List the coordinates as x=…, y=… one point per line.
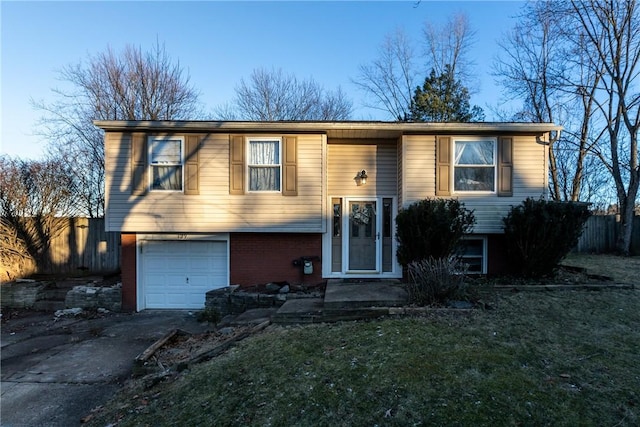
x=128, y=265
x=268, y=257
x=496, y=255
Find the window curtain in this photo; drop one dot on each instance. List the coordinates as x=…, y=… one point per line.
x=167, y=178
x=264, y=169
x=166, y=164
x=474, y=153
x=474, y=166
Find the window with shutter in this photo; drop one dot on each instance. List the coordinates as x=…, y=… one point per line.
x=263, y=164
x=165, y=163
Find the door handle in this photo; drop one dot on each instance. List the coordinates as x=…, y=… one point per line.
x=187, y=280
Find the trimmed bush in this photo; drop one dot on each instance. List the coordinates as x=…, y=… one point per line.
x=436, y=281
x=431, y=228
x=540, y=233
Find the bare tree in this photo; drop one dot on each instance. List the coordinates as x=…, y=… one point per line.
x=34, y=196
x=130, y=85
x=537, y=66
x=579, y=67
x=610, y=35
x=390, y=79
x=447, y=47
x=272, y=95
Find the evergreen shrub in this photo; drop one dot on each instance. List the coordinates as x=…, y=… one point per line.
x=431, y=228
x=540, y=233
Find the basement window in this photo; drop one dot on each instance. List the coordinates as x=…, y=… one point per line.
x=472, y=253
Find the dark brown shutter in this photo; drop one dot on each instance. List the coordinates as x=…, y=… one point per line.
x=505, y=166
x=290, y=166
x=139, y=180
x=236, y=164
x=191, y=172
x=443, y=166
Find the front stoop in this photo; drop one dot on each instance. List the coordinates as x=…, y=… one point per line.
x=343, y=295
x=305, y=310
x=344, y=301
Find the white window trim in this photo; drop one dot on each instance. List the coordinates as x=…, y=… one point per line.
x=495, y=164
x=250, y=165
x=483, y=266
x=150, y=141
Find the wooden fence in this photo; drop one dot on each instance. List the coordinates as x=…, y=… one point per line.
x=83, y=246
x=600, y=232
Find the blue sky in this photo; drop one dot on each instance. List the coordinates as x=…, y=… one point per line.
x=218, y=43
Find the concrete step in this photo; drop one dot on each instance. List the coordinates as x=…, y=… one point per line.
x=343, y=295
x=304, y=310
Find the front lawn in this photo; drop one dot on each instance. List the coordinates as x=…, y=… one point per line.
x=620, y=269
x=560, y=358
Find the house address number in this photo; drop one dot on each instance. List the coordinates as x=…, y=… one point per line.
x=183, y=236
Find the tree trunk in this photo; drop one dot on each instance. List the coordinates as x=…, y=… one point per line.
x=627, y=213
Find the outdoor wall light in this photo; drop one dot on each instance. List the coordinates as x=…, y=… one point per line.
x=361, y=178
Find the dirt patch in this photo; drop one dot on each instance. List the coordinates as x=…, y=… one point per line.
x=182, y=348
x=178, y=349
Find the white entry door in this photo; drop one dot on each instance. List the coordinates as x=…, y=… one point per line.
x=363, y=236
x=178, y=274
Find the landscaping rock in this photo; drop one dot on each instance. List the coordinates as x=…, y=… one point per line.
x=272, y=287
x=68, y=312
x=233, y=300
x=23, y=294
x=284, y=290
x=109, y=298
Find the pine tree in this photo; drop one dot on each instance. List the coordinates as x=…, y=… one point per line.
x=442, y=98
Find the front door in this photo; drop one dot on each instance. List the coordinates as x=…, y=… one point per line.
x=363, y=236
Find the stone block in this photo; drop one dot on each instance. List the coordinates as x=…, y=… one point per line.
x=95, y=297
x=21, y=295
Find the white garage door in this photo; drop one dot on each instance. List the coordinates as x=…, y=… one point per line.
x=177, y=274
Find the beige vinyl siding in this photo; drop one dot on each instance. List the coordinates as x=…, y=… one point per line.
x=214, y=209
x=529, y=179
x=400, y=173
x=380, y=162
x=418, y=167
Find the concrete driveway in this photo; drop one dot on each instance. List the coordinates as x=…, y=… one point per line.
x=53, y=372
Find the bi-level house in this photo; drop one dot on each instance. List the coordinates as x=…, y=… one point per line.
x=201, y=205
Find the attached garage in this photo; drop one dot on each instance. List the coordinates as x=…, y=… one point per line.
x=176, y=274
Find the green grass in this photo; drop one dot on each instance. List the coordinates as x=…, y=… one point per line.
x=562, y=358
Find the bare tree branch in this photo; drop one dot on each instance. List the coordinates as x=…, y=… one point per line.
x=272, y=95
x=130, y=85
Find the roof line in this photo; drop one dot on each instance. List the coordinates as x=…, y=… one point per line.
x=321, y=126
